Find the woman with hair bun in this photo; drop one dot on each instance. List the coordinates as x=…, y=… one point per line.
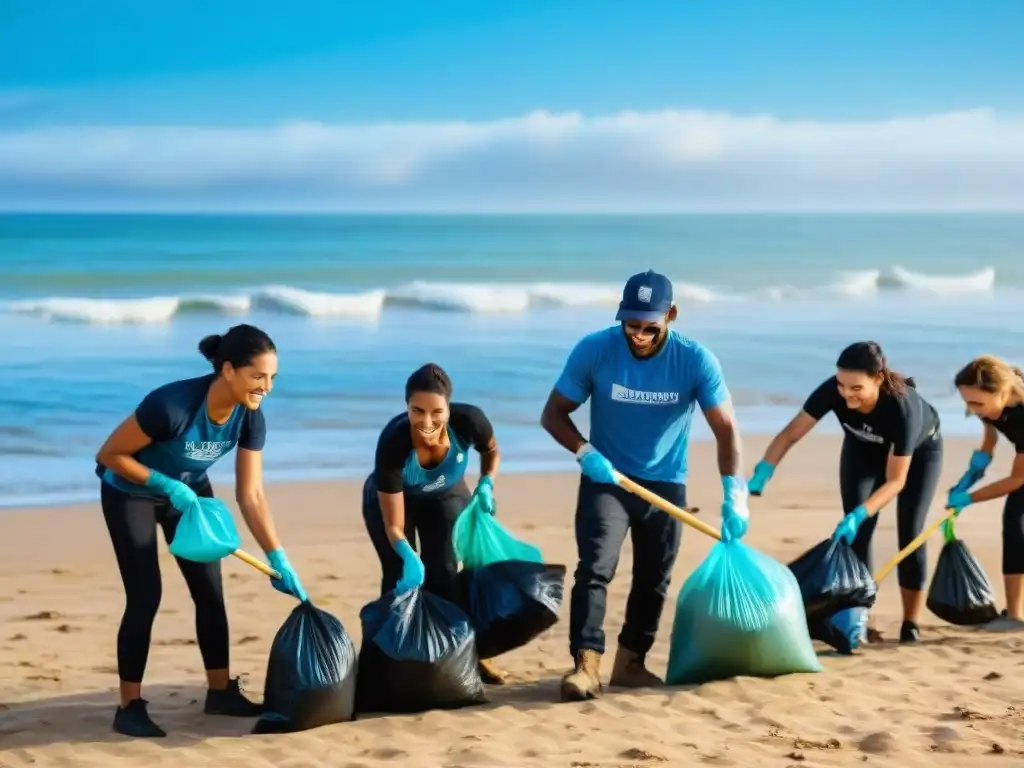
x=993, y=390
x=417, y=488
x=152, y=468
x=892, y=449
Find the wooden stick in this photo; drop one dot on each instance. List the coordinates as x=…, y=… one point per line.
x=256, y=563
x=907, y=550
x=685, y=515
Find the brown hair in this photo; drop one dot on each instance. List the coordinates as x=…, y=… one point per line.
x=867, y=357
x=992, y=375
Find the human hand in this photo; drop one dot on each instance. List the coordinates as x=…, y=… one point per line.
x=763, y=472
x=958, y=500
x=979, y=462
x=847, y=529
x=289, y=582
x=595, y=466
x=413, y=572
x=485, y=493
x=735, y=512
x=178, y=494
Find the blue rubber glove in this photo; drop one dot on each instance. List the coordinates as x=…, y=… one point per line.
x=975, y=471
x=595, y=466
x=485, y=493
x=848, y=526
x=289, y=582
x=763, y=472
x=958, y=500
x=735, y=514
x=413, y=572
x=180, y=495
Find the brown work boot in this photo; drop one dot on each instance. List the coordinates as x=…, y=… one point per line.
x=491, y=673
x=629, y=671
x=584, y=682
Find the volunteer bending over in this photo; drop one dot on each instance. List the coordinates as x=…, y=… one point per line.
x=153, y=467
x=417, y=488
x=892, y=449
x=642, y=379
x=993, y=390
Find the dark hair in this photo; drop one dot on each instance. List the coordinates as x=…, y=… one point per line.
x=867, y=357
x=429, y=378
x=239, y=346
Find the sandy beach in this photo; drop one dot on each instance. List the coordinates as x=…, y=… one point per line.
x=957, y=698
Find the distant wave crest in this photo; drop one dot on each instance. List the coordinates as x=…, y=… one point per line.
x=473, y=298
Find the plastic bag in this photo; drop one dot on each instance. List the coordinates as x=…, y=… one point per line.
x=311, y=674
x=960, y=592
x=832, y=578
x=418, y=653
x=510, y=595
x=844, y=631
x=739, y=613
x=206, y=532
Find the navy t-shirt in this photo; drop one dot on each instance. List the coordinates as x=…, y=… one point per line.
x=1010, y=425
x=903, y=421
x=397, y=468
x=186, y=443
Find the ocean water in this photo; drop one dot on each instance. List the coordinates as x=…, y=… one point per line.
x=96, y=310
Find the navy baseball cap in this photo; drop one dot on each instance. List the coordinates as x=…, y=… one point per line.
x=647, y=296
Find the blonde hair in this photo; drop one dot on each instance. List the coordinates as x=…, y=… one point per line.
x=993, y=375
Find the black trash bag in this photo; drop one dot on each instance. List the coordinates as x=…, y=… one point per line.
x=845, y=631
x=311, y=675
x=510, y=602
x=418, y=653
x=832, y=578
x=960, y=592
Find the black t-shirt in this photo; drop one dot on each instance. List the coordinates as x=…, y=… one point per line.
x=904, y=421
x=1011, y=425
x=397, y=469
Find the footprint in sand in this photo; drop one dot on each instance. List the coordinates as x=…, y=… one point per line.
x=42, y=616
x=176, y=641
x=636, y=753
x=67, y=628
x=47, y=678
x=16, y=637
x=878, y=743
x=247, y=639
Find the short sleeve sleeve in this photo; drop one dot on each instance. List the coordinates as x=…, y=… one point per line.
x=576, y=381
x=472, y=424
x=254, y=431
x=711, y=390
x=823, y=399
x=156, y=415
x=393, y=449
x=907, y=425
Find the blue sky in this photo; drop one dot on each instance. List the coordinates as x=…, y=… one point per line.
x=225, y=105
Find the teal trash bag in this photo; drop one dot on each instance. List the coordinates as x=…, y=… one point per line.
x=480, y=540
x=206, y=532
x=739, y=613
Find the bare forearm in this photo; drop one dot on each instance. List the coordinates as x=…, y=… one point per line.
x=778, y=448
x=885, y=493
x=561, y=427
x=256, y=513
x=489, y=463
x=125, y=466
x=729, y=458
x=998, y=489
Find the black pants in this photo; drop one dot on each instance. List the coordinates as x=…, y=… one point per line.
x=132, y=524
x=862, y=472
x=1013, y=534
x=429, y=521
x=604, y=513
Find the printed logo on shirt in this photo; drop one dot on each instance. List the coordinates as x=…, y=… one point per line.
x=623, y=394
x=864, y=434
x=644, y=294
x=207, y=450
x=437, y=484
x=459, y=458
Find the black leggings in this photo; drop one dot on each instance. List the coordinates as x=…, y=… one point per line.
x=1013, y=534
x=132, y=524
x=862, y=472
x=429, y=519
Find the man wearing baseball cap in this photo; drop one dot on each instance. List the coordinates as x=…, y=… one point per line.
x=642, y=379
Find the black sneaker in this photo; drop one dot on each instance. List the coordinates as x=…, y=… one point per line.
x=231, y=702
x=134, y=720
x=909, y=633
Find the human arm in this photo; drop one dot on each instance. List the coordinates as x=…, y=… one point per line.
x=117, y=451
x=573, y=387
x=818, y=403
x=471, y=424
x=979, y=461
x=1003, y=487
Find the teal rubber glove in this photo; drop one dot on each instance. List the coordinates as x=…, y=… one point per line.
x=289, y=582
x=763, y=472
x=735, y=513
x=850, y=524
x=975, y=471
x=413, y=572
x=958, y=500
x=180, y=495
x=485, y=494
x=595, y=466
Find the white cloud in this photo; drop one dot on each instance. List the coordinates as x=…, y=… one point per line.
x=672, y=159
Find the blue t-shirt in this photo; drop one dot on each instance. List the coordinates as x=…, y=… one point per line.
x=641, y=409
x=397, y=468
x=185, y=442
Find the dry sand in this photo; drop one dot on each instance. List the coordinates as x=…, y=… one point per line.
x=955, y=699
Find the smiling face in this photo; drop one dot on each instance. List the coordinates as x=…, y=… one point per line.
x=859, y=390
x=251, y=383
x=428, y=414
x=646, y=336
x=985, y=405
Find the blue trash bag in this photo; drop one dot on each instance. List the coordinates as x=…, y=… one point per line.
x=418, y=653
x=845, y=631
x=206, y=532
x=510, y=595
x=832, y=578
x=311, y=674
x=739, y=613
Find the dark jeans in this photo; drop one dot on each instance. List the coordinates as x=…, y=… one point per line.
x=429, y=521
x=862, y=472
x=604, y=513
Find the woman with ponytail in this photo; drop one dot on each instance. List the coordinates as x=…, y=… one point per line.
x=892, y=449
x=993, y=390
